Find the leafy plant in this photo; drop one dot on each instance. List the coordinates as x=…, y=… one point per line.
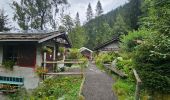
x=124, y=65
x=73, y=54
x=105, y=58
x=58, y=87
x=40, y=71
x=132, y=40
x=9, y=64
x=46, y=49
x=152, y=62
x=61, y=50
x=124, y=89
x=20, y=94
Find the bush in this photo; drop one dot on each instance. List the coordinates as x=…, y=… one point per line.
x=152, y=62
x=9, y=64
x=47, y=49
x=60, y=87
x=20, y=94
x=74, y=54
x=40, y=71
x=133, y=39
x=61, y=50
x=105, y=58
x=124, y=65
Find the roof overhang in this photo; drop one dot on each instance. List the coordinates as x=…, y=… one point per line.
x=50, y=37
x=106, y=44
x=39, y=38
x=16, y=40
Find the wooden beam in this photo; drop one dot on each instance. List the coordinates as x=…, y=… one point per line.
x=136, y=76
x=65, y=73
x=138, y=84
x=65, y=62
x=44, y=59
x=118, y=72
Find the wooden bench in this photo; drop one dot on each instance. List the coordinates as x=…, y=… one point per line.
x=11, y=81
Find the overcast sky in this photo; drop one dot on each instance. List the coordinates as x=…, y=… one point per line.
x=75, y=6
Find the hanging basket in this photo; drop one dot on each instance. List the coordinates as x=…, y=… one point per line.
x=46, y=49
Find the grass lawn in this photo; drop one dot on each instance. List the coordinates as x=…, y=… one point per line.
x=124, y=89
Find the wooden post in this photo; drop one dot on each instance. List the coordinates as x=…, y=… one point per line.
x=64, y=54
x=54, y=53
x=54, y=58
x=138, y=84
x=45, y=55
x=82, y=71
x=91, y=56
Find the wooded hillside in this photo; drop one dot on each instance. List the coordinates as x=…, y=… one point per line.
x=118, y=21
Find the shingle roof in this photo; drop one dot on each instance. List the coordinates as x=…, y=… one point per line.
x=114, y=39
x=24, y=36
x=38, y=37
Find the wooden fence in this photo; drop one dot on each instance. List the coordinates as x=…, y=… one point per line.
x=65, y=73
x=138, y=85
x=122, y=74
x=116, y=71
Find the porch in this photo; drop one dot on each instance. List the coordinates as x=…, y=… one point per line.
x=26, y=50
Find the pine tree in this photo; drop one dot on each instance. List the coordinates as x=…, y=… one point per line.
x=134, y=12
x=67, y=23
x=120, y=27
x=3, y=21
x=99, y=9
x=78, y=37
x=89, y=13
x=36, y=14
x=77, y=20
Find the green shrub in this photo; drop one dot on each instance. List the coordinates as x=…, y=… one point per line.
x=47, y=49
x=74, y=54
x=20, y=94
x=133, y=39
x=61, y=50
x=152, y=63
x=124, y=65
x=105, y=58
x=9, y=64
x=58, y=87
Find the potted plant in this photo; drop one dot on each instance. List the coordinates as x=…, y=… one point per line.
x=41, y=71
x=9, y=64
x=46, y=49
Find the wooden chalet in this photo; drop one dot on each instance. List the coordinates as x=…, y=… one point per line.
x=110, y=45
x=26, y=48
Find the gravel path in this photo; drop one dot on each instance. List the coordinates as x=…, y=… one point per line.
x=98, y=85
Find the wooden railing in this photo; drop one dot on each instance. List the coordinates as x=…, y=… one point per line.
x=116, y=71
x=65, y=73
x=63, y=62
x=138, y=84
x=121, y=74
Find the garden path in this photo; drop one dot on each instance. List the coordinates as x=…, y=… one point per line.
x=98, y=85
